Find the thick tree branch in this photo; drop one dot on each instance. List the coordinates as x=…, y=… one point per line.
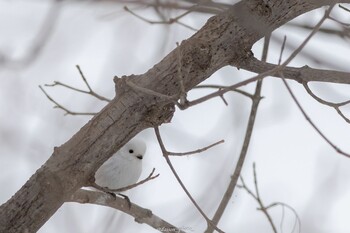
x=225, y=39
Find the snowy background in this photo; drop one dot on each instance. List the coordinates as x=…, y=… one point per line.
x=294, y=165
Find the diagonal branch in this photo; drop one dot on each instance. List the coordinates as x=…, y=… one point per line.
x=141, y=215
x=195, y=151
x=166, y=156
x=90, y=92
x=220, y=87
x=68, y=112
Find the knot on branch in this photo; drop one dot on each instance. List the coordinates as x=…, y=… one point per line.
x=120, y=84
x=242, y=58
x=260, y=7
x=158, y=109
x=144, y=214
x=196, y=54
x=51, y=181
x=157, y=115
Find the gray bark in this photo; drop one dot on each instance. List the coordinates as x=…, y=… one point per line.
x=226, y=39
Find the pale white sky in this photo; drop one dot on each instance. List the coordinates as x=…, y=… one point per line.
x=294, y=164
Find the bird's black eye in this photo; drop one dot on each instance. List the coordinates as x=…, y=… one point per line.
x=131, y=151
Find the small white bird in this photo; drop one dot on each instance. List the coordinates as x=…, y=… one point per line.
x=123, y=168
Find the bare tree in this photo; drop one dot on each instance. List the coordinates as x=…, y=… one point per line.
x=150, y=99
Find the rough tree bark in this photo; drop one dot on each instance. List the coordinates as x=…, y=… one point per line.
x=226, y=39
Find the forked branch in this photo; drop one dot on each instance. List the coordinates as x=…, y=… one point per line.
x=166, y=156
x=89, y=92
x=256, y=196
x=67, y=111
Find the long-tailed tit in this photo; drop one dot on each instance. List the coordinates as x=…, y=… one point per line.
x=123, y=168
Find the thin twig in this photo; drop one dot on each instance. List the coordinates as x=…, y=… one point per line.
x=297, y=218
x=344, y=29
x=210, y=3
x=90, y=92
x=257, y=197
x=108, y=190
x=141, y=215
x=195, y=151
x=68, y=112
x=166, y=156
x=282, y=49
x=207, y=7
x=169, y=21
x=336, y=106
x=344, y=8
x=233, y=87
x=90, y=89
x=313, y=32
x=343, y=32
x=221, y=87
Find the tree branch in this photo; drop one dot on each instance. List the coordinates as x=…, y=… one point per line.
x=262, y=207
x=166, y=156
x=141, y=215
x=67, y=111
x=169, y=21
x=329, y=142
x=303, y=74
x=336, y=106
x=248, y=135
x=226, y=39
x=257, y=197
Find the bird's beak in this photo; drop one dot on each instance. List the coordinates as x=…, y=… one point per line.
x=139, y=157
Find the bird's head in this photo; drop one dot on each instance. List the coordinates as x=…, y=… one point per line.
x=135, y=148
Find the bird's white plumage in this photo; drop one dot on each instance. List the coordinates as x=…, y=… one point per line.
x=123, y=168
